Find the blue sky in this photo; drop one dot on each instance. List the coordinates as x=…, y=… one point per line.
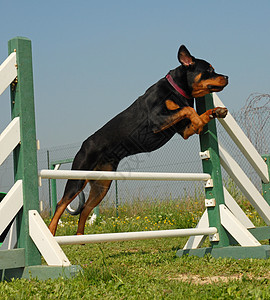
x=92, y=59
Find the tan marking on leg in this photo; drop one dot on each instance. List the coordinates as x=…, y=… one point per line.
x=99, y=189
x=184, y=113
x=61, y=206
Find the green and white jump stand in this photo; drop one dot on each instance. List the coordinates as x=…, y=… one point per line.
x=222, y=212
x=20, y=136
x=231, y=232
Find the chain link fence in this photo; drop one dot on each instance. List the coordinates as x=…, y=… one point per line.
x=177, y=155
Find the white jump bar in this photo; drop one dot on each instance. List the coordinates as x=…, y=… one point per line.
x=101, y=175
x=128, y=236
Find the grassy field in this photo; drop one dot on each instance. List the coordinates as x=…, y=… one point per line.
x=148, y=269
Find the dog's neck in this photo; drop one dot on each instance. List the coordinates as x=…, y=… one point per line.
x=176, y=76
x=176, y=87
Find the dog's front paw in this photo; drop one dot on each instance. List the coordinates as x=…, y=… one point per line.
x=220, y=112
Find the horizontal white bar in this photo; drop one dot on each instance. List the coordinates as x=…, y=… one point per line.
x=128, y=236
x=9, y=139
x=101, y=175
x=243, y=143
x=11, y=204
x=8, y=72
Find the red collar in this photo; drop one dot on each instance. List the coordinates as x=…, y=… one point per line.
x=176, y=87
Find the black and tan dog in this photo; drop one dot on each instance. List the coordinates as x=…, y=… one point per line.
x=152, y=120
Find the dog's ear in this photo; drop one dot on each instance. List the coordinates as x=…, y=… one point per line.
x=184, y=57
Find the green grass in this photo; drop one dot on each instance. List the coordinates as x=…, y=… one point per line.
x=148, y=269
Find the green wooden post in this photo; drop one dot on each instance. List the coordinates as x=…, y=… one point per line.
x=25, y=154
x=209, y=141
x=266, y=186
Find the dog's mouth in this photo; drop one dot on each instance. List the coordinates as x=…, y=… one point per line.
x=221, y=81
x=216, y=88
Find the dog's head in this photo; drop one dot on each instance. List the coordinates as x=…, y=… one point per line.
x=201, y=76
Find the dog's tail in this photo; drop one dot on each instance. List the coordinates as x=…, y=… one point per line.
x=79, y=209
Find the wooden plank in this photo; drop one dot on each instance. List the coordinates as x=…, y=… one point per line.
x=44, y=240
x=244, y=184
x=61, y=161
x=195, y=242
x=8, y=72
x=266, y=186
x=10, y=205
x=9, y=139
x=236, y=210
x=236, y=229
x=10, y=240
x=260, y=233
x=243, y=143
x=236, y=252
x=41, y=272
x=10, y=259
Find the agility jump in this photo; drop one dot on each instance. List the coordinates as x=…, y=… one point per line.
x=223, y=219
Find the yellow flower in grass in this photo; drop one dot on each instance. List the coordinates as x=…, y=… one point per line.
x=138, y=218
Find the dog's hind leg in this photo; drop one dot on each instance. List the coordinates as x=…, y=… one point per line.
x=73, y=188
x=99, y=189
